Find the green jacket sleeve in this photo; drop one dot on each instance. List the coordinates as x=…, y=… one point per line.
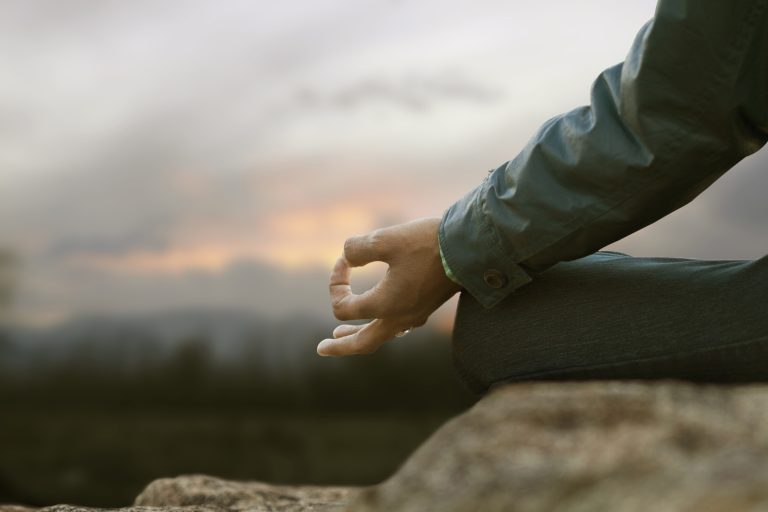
x=689, y=101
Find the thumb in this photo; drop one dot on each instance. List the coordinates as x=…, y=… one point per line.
x=364, y=249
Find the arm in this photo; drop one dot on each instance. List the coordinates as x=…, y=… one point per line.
x=687, y=104
x=689, y=101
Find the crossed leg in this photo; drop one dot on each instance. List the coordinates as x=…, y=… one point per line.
x=613, y=316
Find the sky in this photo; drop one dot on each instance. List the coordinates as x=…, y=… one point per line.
x=167, y=154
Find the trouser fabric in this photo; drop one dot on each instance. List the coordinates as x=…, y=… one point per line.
x=613, y=316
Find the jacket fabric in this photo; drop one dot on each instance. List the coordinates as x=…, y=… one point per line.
x=689, y=101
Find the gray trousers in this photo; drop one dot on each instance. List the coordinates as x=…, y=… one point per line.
x=612, y=316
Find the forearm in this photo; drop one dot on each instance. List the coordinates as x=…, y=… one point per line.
x=686, y=105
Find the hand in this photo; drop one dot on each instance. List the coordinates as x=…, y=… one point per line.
x=414, y=286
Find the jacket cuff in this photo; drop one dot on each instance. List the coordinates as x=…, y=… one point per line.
x=473, y=255
x=446, y=268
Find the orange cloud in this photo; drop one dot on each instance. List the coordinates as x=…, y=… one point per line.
x=313, y=237
x=176, y=260
x=296, y=239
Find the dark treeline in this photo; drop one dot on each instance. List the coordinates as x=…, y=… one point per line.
x=413, y=376
x=91, y=415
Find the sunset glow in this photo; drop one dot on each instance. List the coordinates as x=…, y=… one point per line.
x=179, y=155
x=295, y=240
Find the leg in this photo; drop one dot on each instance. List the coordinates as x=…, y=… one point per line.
x=612, y=316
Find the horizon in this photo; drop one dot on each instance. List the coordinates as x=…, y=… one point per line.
x=163, y=155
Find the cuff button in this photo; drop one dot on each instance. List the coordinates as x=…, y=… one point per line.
x=494, y=278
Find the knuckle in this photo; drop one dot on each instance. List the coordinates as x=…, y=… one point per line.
x=376, y=237
x=379, y=243
x=349, y=247
x=341, y=310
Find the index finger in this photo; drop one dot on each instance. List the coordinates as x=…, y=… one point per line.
x=346, y=305
x=364, y=340
x=339, y=284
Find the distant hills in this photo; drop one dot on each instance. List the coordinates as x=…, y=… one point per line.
x=211, y=358
x=229, y=335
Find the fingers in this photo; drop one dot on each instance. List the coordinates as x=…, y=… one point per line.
x=358, y=251
x=339, y=285
x=346, y=330
x=362, y=339
x=346, y=305
x=364, y=249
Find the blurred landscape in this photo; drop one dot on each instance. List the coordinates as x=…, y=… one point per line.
x=96, y=408
x=176, y=180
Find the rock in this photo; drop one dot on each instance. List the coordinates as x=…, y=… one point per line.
x=197, y=493
x=566, y=447
x=72, y=508
x=225, y=495
x=591, y=447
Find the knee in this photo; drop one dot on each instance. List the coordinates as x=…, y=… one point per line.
x=470, y=357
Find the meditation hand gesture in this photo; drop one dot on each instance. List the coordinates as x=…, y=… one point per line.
x=414, y=286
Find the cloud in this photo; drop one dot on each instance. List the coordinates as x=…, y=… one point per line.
x=161, y=153
x=413, y=92
x=60, y=291
x=109, y=245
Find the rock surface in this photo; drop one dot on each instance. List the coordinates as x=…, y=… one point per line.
x=591, y=447
x=198, y=493
x=204, y=491
x=570, y=447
